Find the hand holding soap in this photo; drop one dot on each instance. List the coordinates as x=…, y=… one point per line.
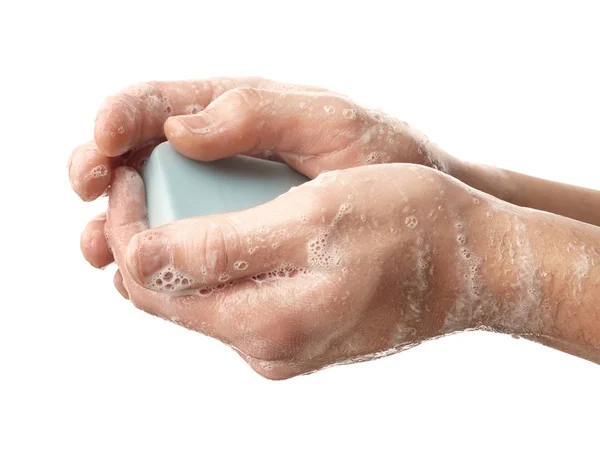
x=178, y=187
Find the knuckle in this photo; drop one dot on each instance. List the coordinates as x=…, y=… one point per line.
x=246, y=97
x=221, y=241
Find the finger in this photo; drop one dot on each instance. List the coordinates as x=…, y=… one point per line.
x=196, y=253
x=90, y=172
x=126, y=217
x=136, y=115
x=127, y=213
x=246, y=119
x=118, y=282
x=93, y=243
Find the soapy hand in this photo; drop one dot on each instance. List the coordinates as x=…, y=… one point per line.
x=311, y=129
x=352, y=265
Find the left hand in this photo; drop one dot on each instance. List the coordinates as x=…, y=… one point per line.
x=310, y=128
x=351, y=265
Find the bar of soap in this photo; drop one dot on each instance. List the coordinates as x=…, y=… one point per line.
x=178, y=187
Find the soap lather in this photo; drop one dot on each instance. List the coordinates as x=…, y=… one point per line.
x=179, y=187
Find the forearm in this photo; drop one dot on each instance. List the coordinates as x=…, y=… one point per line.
x=578, y=203
x=554, y=282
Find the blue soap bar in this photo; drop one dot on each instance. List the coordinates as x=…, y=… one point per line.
x=178, y=187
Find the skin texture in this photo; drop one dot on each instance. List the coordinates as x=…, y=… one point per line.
x=372, y=256
x=358, y=264
x=320, y=275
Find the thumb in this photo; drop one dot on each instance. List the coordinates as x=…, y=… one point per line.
x=207, y=252
x=247, y=119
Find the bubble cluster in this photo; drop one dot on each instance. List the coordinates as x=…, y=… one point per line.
x=349, y=113
x=206, y=291
x=411, y=222
x=343, y=211
x=472, y=263
x=193, y=109
x=283, y=271
x=224, y=277
x=240, y=265
x=371, y=157
x=96, y=172
x=203, y=130
x=321, y=254
x=168, y=279
x=527, y=281
x=422, y=267
x=329, y=109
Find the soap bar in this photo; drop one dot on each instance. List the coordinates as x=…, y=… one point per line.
x=178, y=187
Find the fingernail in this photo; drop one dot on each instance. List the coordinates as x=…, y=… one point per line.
x=201, y=123
x=147, y=255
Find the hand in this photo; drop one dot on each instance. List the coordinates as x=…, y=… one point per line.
x=349, y=266
x=312, y=129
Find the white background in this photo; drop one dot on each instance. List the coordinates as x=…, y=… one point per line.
x=82, y=371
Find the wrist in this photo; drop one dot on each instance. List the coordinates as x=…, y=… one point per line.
x=491, y=180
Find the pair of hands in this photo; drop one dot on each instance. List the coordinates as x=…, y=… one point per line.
x=380, y=251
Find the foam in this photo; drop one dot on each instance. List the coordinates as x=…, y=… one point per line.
x=343, y=211
x=169, y=280
x=284, y=271
x=349, y=113
x=193, y=109
x=371, y=157
x=411, y=222
x=322, y=254
x=97, y=172
x=240, y=265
